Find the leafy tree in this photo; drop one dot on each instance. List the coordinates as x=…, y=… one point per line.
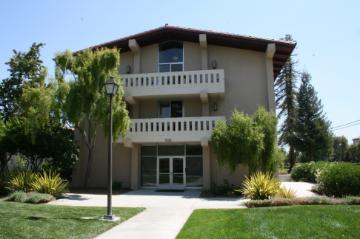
x=86, y=105
x=23, y=67
x=245, y=139
x=266, y=121
x=340, y=147
x=36, y=127
x=285, y=98
x=313, y=136
x=353, y=153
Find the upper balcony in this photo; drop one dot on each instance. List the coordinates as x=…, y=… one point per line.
x=179, y=83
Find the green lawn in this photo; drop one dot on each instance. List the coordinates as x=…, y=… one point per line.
x=20, y=220
x=328, y=221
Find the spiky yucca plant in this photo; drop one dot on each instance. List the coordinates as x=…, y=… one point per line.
x=50, y=183
x=260, y=186
x=285, y=193
x=21, y=181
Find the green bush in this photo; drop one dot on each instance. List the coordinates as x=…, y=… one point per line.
x=340, y=179
x=31, y=197
x=276, y=202
x=260, y=186
x=21, y=181
x=50, y=183
x=308, y=171
x=117, y=185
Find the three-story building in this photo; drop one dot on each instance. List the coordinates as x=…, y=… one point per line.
x=178, y=82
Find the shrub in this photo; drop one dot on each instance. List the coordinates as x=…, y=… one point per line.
x=340, y=179
x=226, y=189
x=307, y=171
x=260, y=186
x=50, y=183
x=285, y=193
x=302, y=201
x=32, y=197
x=117, y=185
x=21, y=181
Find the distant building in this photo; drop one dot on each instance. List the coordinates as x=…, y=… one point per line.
x=356, y=140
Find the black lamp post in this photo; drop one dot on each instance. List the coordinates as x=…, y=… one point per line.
x=111, y=88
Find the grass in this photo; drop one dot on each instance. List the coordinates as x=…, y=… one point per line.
x=20, y=220
x=340, y=221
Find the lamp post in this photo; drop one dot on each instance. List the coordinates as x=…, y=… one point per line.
x=111, y=88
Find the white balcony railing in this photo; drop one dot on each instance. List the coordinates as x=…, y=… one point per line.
x=185, y=129
x=174, y=83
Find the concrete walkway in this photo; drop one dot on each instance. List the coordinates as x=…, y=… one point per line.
x=166, y=212
x=164, y=216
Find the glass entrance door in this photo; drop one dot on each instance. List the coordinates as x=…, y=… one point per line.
x=171, y=171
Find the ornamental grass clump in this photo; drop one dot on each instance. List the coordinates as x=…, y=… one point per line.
x=260, y=186
x=50, y=183
x=21, y=181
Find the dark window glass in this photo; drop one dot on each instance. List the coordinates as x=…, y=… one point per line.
x=176, y=109
x=194, y=171
x=148, y=171
x=169, y=150
x=164, y=67
x=148, y=150
x=171, y=109
x=170, y=51
x=193, y=150
x=165, y=110
x=176, y=67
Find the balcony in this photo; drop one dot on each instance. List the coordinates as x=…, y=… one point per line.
x=185, y=129
x=174, y=83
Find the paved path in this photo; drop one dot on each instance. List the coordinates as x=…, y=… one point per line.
x=165, y=213
x=164, y=216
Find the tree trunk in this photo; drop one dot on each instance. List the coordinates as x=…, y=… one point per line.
x=90, y=143
x=292, y=158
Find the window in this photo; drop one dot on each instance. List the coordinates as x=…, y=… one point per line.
x=173, y=109
x=171, y=56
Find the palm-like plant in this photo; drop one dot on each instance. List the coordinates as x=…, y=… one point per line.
x=260, y=186
x=50, y=183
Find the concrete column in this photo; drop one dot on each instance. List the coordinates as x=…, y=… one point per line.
x=204, y=97
x=270, y=51
x=206, y=164
x=135, y=167
x=135, y=48
x=203, y=49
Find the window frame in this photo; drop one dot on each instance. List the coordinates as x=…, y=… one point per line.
x=171, y=63
x=170, y=103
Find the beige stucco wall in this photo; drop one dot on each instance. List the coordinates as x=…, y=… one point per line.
x=245, y=79
x=219, y=173
x=149, y=108
x=98, y=175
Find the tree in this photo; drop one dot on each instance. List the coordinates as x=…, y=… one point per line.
x=285, y=98
x=340, y=147
x=313, y=136
x=34, y=126
x=246, y=139
x=23, y=66
x=86, y=104
x=353, y=153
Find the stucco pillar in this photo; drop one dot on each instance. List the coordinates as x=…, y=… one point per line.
x=270, y=51
x=204, y=97
x=135, y=48
x=206, y=164
x=135, y=167
x=203, y=50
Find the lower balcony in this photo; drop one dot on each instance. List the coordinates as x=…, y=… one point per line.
x=167, y=130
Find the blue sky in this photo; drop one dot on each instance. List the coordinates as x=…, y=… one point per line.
x=327, y=32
